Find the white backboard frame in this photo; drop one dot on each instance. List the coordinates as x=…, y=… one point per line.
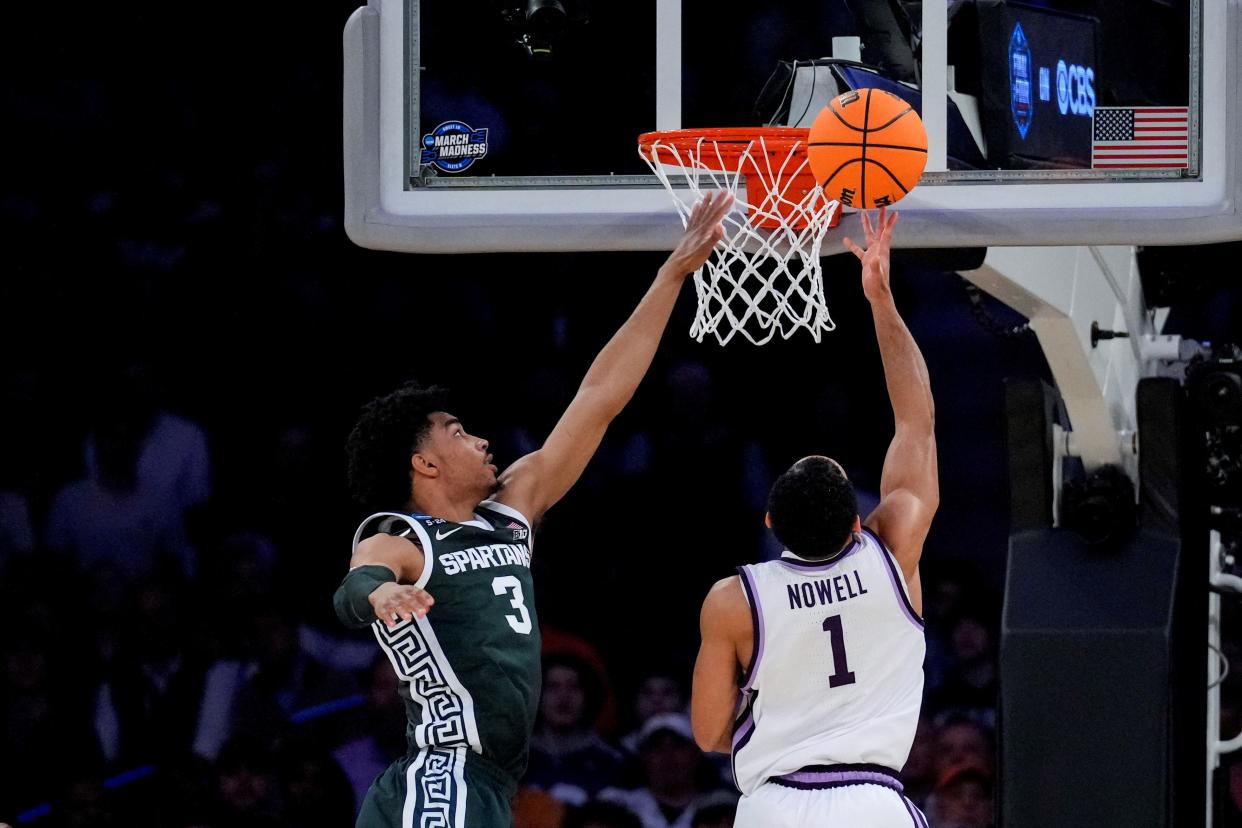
x=948, y=209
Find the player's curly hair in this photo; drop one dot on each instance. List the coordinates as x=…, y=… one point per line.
x=812, y=507
x=386, y=435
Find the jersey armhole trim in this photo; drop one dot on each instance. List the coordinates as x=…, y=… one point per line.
x=508, y=511
x=751, y=592
x=898, y=579
x=423, y=538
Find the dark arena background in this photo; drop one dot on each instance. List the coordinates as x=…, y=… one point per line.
x=189, y=334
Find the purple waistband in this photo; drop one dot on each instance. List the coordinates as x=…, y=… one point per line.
x=835, y=776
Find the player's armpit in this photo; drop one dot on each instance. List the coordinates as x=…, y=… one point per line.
x=524, y=486
x=723, y=623
x=534, y=483
x=902, y=520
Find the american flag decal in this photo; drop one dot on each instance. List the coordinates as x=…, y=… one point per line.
x=1139, y=137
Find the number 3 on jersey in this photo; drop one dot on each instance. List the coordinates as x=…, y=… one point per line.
x=506, y=584
x=842, y=674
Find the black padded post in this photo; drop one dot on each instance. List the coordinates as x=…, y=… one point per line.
x=1030, y=410
x=1100, y=691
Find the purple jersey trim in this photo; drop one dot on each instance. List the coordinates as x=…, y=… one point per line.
x=915, y=814
x=896, y=577
x=756, y=620
x=836, y=776
x=803, y=565
x=742, y=731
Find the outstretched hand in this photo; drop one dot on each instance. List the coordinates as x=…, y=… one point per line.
x=875, y=257
x=703, y=232
x=395, y=603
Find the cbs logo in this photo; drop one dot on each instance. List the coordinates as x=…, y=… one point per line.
x=1075, y=89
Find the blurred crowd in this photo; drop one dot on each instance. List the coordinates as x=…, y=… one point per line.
x=169, y=657
x=188, y=336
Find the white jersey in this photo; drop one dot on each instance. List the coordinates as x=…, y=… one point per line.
x=836, y=677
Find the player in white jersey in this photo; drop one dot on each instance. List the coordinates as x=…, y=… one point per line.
x=811, y=666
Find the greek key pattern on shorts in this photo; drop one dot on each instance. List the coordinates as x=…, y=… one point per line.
x=444, y=718
x=436, y=789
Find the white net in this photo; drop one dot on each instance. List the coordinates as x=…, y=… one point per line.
x=765, y=277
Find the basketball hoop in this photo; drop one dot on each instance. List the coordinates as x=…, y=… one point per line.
x=766, y=277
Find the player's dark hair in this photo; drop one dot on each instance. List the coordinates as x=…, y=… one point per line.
x=387, y=434
x=813, y=506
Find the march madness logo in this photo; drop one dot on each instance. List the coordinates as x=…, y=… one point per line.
x=453, y=146
x=1020, y=103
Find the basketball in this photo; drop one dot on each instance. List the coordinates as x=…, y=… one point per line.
x=867, y=148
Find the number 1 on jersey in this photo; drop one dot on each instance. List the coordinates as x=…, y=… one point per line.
x=520, y=622
x=842, y=676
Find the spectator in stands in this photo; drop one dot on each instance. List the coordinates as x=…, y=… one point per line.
x=247, y=790
x=381, y=735
x=172, y=455
x=41, y=721
x=257, y=696
x=716, y=811
x=16, y=534
x=568, y=759
x=145, y=470
x=970, y=681
x=314, y=788
x=963, y=798
x=963, y=741
x=146, y=705
x=677, y=779
x=919, y=774
x=659, y=691
x=959, y=742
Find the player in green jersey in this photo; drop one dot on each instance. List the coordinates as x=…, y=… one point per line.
x=452, y=528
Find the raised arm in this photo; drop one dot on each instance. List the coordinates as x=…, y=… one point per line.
x=909, y=489
x=541, y=478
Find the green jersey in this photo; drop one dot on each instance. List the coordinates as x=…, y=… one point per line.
x=470, y=669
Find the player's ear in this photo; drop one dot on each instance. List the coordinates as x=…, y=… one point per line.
x=767, y=519
x=424, y=465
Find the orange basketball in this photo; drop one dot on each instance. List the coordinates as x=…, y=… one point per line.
x=867, y=148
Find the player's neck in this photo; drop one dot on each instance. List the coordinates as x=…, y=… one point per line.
x=437, y=503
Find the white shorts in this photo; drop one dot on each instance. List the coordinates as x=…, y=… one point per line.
x=848, y=806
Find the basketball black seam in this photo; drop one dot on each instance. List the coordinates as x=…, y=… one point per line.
x=894, y=119
x=832, y=108
x=833, y=175
x=848, y=125
x=890, y=175
x=870, y=144
x=862, y=183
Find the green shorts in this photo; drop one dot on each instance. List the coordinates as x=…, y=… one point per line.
x=452, y=787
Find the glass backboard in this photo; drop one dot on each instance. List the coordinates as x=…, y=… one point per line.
x=512, y=124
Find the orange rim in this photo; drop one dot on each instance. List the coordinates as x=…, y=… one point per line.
x=730, y=141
